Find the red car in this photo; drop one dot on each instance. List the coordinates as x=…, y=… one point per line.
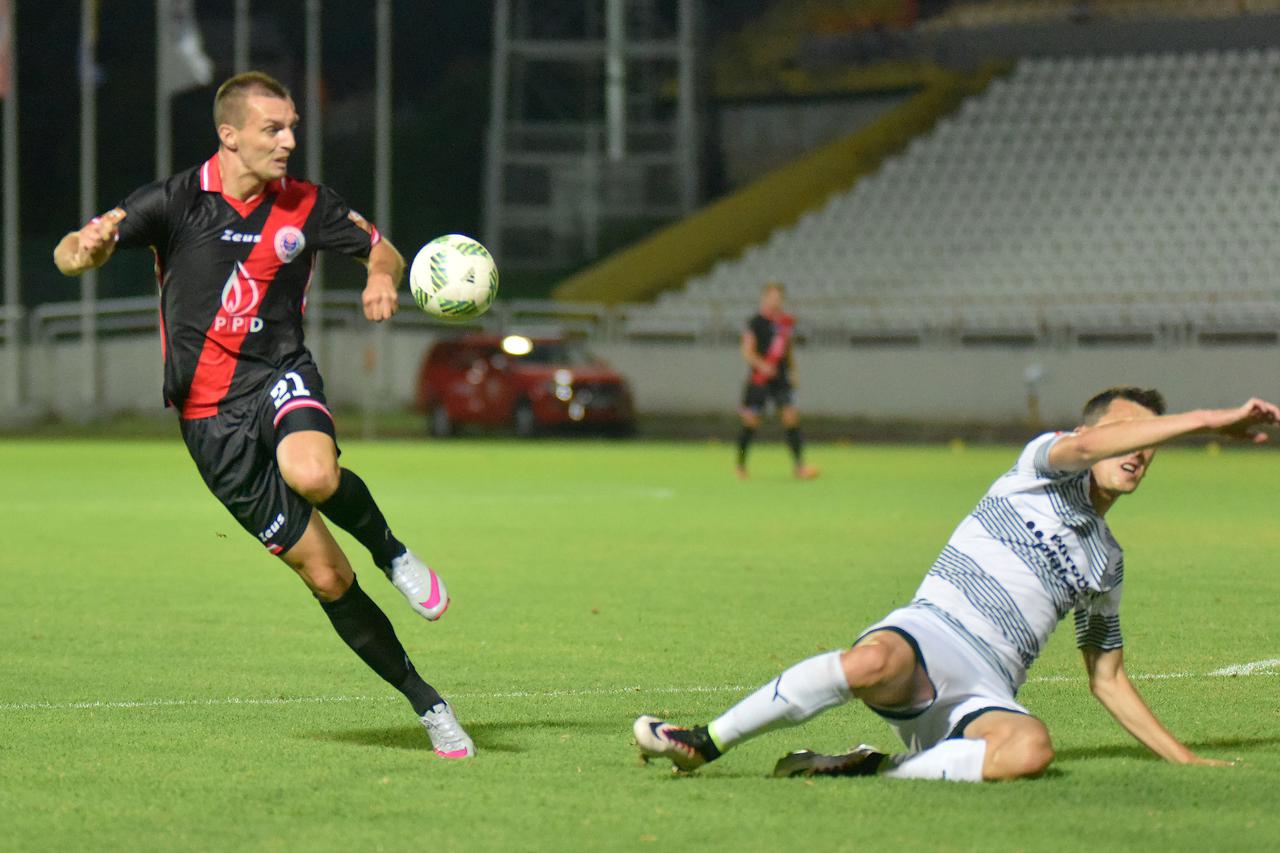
x=525, y=382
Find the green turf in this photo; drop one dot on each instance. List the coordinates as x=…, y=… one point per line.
x=592, y=582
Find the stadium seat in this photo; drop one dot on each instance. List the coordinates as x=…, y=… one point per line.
x=1131, y=191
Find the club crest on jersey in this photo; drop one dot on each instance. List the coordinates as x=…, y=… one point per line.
x=241, y=296
x=289, y=243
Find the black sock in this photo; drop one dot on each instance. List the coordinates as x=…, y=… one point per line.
x=353, y=509
x=796, y=444
x=366, y=629
x=700, y=739
x=744, y=444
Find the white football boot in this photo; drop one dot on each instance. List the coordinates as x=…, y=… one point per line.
x=421, y=586
x=447, y=736
x=659, y=739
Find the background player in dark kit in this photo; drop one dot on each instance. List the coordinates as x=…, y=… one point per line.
x=766, y=347
x=235, y=241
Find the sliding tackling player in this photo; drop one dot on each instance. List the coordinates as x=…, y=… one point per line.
x=235, y=241
x=944, y=670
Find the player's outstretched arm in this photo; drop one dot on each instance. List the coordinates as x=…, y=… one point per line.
x=91, y=246
x=1088, y=445
x=386, y=267
x=1112, y=687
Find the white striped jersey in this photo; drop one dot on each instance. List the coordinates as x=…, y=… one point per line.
x=1033, y=549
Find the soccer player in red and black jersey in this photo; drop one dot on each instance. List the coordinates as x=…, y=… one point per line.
x=766, y=347
x=235, y=241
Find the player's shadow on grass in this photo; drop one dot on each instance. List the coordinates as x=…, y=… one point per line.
x=1204, y=747
x=488, y=737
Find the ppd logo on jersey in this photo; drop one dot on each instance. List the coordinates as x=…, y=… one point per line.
x=289, y=243
x=241, y=296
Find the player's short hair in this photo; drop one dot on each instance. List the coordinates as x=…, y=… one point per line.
x=1148, y=398
x=774, y=285
x=229, y=103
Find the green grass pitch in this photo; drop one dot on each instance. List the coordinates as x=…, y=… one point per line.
x=166, y=684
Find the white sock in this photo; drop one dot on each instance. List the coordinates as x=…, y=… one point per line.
x=802, y=691
x=958, y=760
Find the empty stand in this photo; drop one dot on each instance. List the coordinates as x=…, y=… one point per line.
x=1086, y=197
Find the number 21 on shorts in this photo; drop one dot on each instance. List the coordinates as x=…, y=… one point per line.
x=289, y=386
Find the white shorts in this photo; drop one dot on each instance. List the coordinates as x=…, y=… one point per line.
x=964, y=686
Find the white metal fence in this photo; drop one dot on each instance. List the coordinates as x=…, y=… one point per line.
x=830, y=322
x=683, y=363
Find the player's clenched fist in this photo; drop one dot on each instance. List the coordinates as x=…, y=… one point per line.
x=98, y=238
x=380, y=297
x=91, y=245
x=1245, y=421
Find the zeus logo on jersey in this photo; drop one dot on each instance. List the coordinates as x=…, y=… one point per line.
x=241, y=296
x=229, y=236
x=266, y=535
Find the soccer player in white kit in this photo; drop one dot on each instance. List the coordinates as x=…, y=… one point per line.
x=944, y=670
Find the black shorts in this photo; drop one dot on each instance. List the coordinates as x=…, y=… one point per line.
x=756, y=397
x=235, y=452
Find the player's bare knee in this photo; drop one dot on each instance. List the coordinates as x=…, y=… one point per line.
x=868, y=665
x=325, y=581
x=1040, y=751
x=1041, y=757
x=1030, y=757
x=1021, y=755
x=315, y=480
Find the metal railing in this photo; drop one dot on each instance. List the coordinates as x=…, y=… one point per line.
x=831, y=322
x=54, y=321
x=11, y=318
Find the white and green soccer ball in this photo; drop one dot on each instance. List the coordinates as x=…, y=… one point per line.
x=454, y=278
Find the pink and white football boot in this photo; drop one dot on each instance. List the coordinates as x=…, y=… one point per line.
x=421, y=586
x=448, y=738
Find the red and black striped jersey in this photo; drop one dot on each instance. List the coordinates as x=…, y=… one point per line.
x=233, y=277
x=764, y=330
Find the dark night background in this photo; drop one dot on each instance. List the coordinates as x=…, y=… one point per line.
x=441, y=67
x=440, y=103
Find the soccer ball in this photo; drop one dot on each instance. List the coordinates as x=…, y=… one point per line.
x=454, y=278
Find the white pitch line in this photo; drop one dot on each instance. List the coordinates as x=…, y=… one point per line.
x=179, y=703
x=1153, y=676
x=321, y=700
x=1265, y=668
x=1258, y=667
